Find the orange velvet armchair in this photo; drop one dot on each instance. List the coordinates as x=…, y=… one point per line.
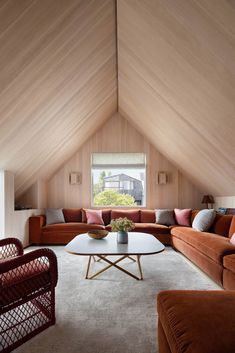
x=27, y=292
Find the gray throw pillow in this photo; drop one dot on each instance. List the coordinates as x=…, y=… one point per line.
x=204, y=220
x=165, y=217
x=54, y=215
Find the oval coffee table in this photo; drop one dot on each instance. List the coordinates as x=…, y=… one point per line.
x=138, y=244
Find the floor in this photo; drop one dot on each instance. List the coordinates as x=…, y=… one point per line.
x=113, y=313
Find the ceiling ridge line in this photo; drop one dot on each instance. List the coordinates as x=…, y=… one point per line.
x=117, y=51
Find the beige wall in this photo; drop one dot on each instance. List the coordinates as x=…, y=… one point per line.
x=35, y=196
x=118, y=135
x=13, y=223
x=225, y=201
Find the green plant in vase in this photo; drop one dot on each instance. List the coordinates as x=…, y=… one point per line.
x=122, y=226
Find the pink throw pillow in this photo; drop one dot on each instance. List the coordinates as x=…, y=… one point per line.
x=183, y=217
x=94, y=217
x=232, y=239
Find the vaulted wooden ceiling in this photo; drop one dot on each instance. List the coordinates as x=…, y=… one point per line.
x=176, y=82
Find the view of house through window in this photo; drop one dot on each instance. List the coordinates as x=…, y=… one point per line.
x=118, y=179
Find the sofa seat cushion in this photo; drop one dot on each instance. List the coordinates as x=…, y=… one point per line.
x=70, y=227
x=23, y=272
x=151, y=227
x=209, y=244
x=198, y=321
x=229, y=262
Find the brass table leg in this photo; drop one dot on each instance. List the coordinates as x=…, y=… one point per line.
x=114, y=264
x=88, y=267
x=139, y=265
x=107, y=267
x=131, y=258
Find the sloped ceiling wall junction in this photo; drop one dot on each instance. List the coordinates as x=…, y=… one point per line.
x=58, y=81
x=176, y=77
x=176, y=82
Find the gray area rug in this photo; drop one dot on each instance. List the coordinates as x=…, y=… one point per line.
x=113, y=313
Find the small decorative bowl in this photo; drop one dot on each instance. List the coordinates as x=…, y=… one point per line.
x=98, y=234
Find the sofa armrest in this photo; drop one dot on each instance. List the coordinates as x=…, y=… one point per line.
x=35, y=228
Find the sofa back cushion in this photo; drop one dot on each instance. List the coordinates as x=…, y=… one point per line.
x=106, y=216
x=193, y=214
x=232, y=227
x=221, y=224
x=147, y=216
x=133, y=215
x=72, y=214
x=204, y=220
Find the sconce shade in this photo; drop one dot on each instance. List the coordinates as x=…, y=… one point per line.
x=162, y=178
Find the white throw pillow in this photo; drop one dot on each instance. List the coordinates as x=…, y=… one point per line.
x=204, y=220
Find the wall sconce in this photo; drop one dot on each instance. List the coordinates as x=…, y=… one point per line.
x=162, y=178
x=208, y=199
x=75, y=178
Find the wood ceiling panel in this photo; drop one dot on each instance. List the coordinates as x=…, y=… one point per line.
x=176, y=61
x=58, y=82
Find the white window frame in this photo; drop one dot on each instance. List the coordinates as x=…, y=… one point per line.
x=143, y=165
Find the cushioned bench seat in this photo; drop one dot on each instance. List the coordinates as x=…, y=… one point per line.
x=196, y=321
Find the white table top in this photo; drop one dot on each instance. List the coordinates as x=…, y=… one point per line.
x=138, y=244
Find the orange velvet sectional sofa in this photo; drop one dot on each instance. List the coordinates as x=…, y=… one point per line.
x=211, y=251
x=76, y=223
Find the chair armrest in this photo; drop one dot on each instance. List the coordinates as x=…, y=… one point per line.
x=10, y=247
x=46, y=259
x=35, y=228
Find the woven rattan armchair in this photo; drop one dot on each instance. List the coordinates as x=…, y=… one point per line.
x=27, y=292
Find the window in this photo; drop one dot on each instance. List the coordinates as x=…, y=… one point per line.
x=118, y=179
